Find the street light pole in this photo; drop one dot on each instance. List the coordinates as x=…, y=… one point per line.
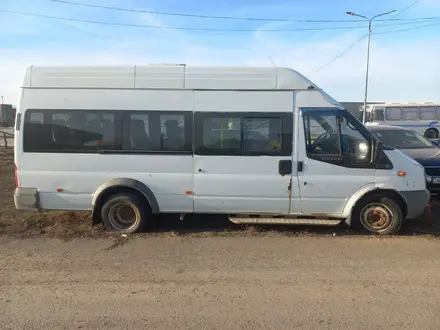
x=364, y=112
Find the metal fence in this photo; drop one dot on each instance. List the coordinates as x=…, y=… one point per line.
x=7, y=137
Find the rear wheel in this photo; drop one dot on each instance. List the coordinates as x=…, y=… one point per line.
x=125, y=213
x=431, y=133
x=378, y=215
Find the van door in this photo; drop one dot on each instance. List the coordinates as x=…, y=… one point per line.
x=336, y=155
x=242, y=162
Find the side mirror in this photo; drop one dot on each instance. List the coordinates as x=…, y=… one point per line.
x=363, y=149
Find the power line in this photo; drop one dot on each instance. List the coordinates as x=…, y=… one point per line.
x=186, y=28
x=408, y=29
x=83, y=4
x=154, y=12
x=397, y=14
x=171, y=27
x=343, y=53
x=365, y=36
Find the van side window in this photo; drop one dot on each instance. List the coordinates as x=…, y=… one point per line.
x=69, y=131
x=244, y=134
x=35, y=134
x=172, y=128
x=139, y=132
x=158, y=132
x=322, y=135
x=262, y=134
x=36, y=117
x=222, y=134
x=335, y=139
x=92, y=131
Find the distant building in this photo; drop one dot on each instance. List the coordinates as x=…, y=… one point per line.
x=7, y=115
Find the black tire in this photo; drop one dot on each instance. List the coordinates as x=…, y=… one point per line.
x=431, y=133
x=379, y=215
x=136, y=211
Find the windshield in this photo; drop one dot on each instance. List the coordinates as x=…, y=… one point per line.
x=401, y=139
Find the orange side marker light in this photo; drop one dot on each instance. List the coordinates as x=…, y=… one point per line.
x=401, y=173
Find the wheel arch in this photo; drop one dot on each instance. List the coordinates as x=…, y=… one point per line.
x=372, y=190
x=118, y=185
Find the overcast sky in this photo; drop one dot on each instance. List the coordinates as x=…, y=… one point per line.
x=405, y=61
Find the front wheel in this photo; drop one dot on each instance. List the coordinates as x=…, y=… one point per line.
x=378, y=215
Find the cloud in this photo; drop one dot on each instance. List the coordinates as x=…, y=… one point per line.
x=401, y=69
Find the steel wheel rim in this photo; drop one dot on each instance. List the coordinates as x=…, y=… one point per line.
x=376, y=217
x=123, y=216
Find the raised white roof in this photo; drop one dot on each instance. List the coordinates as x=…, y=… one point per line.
x=166, y=76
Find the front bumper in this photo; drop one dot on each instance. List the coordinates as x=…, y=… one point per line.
x=416, y=202
x=26, y=199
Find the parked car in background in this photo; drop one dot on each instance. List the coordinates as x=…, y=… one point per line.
x=413, y=144
x=436, y=142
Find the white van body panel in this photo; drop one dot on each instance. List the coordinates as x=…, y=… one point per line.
x=325, y=188
x=168, y=180
x=192, y=182
x=80, y=175
x=389, y=180
x=231, y=184
x=228, y=184
x=314, y=98
x=413, y=180
x=166, y=77
x=107, y=99
x=239, y=101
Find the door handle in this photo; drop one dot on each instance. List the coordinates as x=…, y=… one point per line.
x=300, y=166
x=285, y=167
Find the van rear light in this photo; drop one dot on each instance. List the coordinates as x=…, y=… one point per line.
x=16, y=175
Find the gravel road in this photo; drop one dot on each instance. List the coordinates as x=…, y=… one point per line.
x=221, y=283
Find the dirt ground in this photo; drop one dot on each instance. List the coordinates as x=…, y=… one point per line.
x=267, y=282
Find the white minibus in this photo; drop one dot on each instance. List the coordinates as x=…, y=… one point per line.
x=261, y=145
x=423, y=118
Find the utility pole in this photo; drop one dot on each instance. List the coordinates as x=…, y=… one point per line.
x=364, y=112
